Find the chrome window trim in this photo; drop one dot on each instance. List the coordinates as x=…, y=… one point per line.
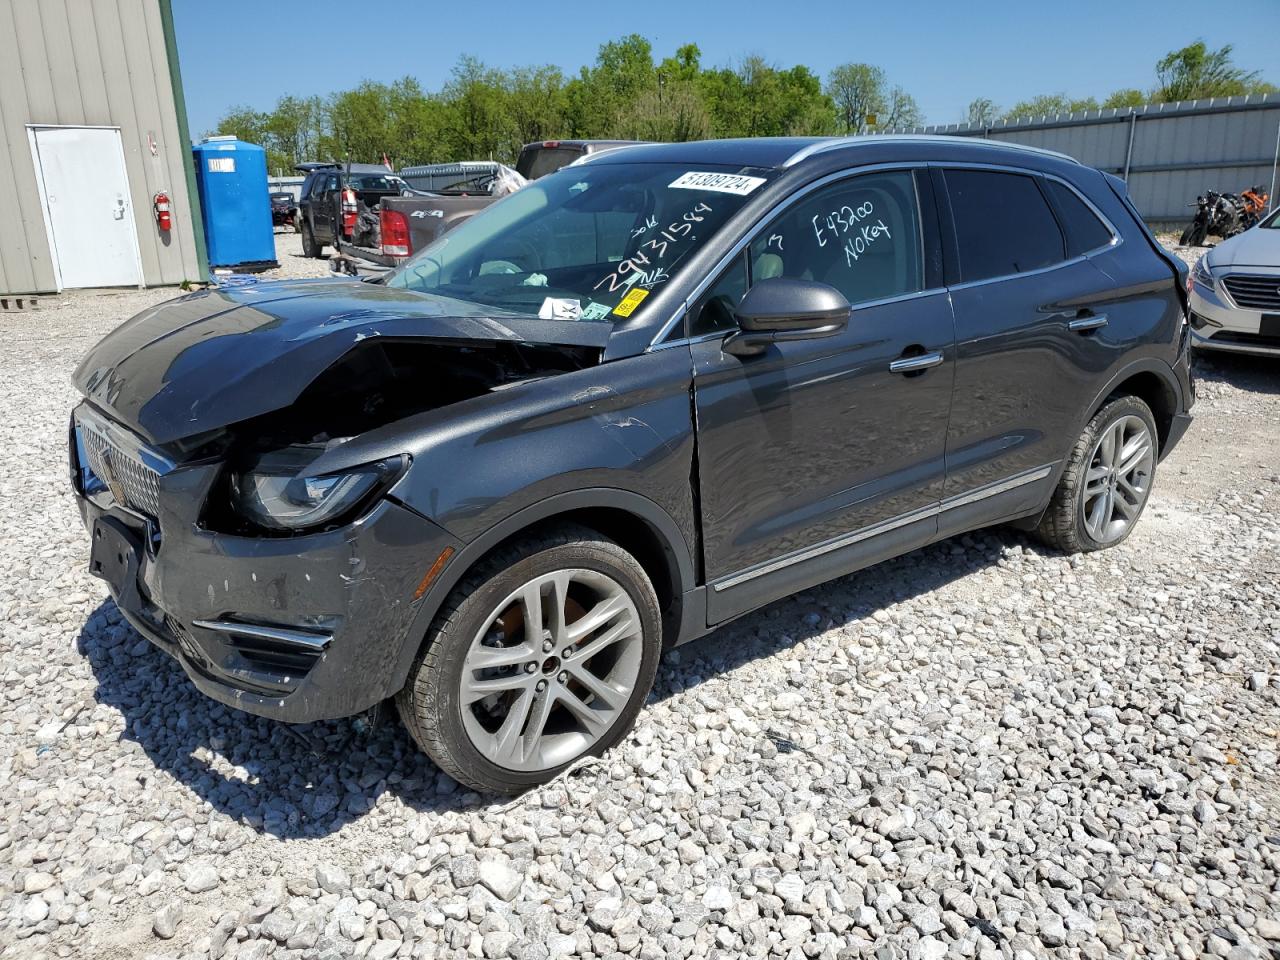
x=1116, y=237
x=835, y=143
x=884, y=526
x=787, y=201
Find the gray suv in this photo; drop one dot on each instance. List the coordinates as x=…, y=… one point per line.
x=636, y=399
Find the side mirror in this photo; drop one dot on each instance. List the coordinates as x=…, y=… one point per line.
x=781, y=309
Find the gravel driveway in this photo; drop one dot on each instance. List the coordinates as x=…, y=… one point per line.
x=981, y=749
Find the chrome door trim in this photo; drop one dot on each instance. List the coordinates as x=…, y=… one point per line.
x=751, y=233
x=1000, y=486
x=827, y=546
x=915, y=364
x=885, y=526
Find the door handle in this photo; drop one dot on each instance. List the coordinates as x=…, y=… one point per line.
x=1085, y=324
x=915, y=364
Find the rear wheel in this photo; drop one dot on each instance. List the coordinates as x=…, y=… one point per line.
x=541, y=656
x=309, y=246
x=1107, y=481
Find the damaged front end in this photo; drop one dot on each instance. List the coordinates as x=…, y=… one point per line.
x=280, y=590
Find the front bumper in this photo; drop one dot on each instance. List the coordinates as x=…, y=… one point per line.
x=298, y=629
x=1218, y=324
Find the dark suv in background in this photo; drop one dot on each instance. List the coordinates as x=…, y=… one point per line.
x=634, y=400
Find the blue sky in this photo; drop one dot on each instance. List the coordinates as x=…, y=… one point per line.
x=943, y=53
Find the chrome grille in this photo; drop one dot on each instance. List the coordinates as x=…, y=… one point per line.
x=1253, y=292
x=133, y=483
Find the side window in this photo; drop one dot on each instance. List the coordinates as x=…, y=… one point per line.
x=1003, y=224
x=1084, y=230
x=861, y=236
x=715, y=310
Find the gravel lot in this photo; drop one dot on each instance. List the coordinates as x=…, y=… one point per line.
x=981, y=749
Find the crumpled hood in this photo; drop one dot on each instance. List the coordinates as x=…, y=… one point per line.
x=229, y=353
x=1256, y=247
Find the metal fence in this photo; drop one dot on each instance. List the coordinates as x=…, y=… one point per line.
x=1168, y=152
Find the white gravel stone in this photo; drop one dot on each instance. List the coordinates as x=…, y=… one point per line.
x=500, y=878
x=165, y=922
x=201, y=878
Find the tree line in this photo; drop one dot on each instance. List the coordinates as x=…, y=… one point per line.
x=484, y=112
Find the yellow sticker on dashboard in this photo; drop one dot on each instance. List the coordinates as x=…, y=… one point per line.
x=629, y=303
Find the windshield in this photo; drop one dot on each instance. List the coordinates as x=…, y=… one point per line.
x=586, y=243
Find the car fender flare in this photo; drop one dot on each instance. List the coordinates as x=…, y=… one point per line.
x=1144, y=365
x=659, y=520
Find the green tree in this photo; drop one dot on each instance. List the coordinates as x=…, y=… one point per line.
x=476, y=127
x=1048, y=105
x=1195, y=72
x=902, y=111
x=534, y=104
x=602, y=93
x=982, y=112
x=858, y=91
x=1128, y=97
x=671, y=112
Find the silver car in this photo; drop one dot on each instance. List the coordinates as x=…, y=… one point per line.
x=1235, y=293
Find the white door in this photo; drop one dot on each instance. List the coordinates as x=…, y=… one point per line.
x=86, y=195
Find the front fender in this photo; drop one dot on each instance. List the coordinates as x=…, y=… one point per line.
x=660, y=523
x=616, y=435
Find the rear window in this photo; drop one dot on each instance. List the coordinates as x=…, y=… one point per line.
x=540, y=161
x=392, y=184
x=1084, y=230
x=1003, y=224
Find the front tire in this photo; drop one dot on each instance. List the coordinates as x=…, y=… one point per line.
x=502, y=706
x=1107, y=480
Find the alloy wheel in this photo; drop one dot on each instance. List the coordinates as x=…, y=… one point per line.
x=1118, y=480
x=552, y=670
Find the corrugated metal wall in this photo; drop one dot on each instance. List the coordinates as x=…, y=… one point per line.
x=89, y=63
x=1178, y=149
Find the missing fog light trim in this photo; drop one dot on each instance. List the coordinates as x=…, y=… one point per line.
x=441, y=561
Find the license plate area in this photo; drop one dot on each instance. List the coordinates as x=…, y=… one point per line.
x=114, y=556
x=1270, y=326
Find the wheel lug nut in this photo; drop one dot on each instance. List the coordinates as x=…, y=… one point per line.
x=542, y=684
x=564, y=677
x=547, y=646
x=530, y=667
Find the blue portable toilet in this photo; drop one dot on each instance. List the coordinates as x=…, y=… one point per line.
x=231, y=177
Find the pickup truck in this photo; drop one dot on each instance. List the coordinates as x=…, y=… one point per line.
x=323, y=221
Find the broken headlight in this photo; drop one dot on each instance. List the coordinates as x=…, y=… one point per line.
x=277, y=492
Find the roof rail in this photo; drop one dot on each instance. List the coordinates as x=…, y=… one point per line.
x=834, y=143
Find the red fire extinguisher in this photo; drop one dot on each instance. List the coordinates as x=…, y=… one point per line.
x=164, y=219
x=348, y=212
